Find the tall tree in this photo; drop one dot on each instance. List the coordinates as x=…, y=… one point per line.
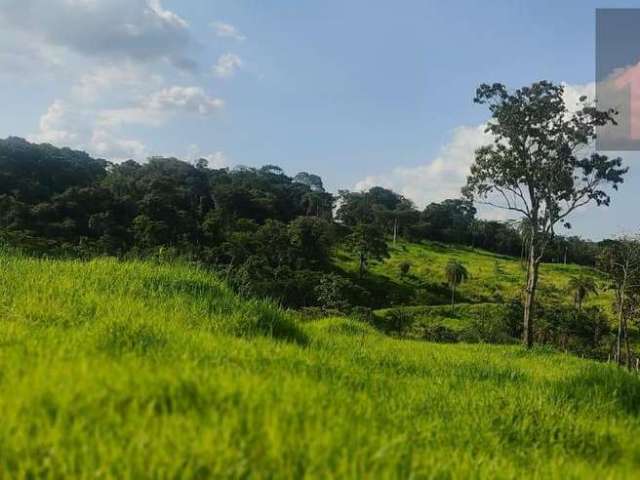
x=368, y=243
x=539, y=166
x=456, y=273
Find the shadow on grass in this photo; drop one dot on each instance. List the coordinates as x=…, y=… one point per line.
x=609, y=387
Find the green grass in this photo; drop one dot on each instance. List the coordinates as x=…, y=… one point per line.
x=493, y=278
x=137, y=370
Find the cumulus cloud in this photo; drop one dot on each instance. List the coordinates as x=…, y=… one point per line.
x=439, y=178
x=66, y=123
x=141, y=30
x=226, y=30
x=98, y=130
x=227, y=65
x=125, y=78
x=57, y=125
x=155, y=109
x=104, y=143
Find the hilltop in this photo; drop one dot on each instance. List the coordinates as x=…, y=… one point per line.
x=129, y=369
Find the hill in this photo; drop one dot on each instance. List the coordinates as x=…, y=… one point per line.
x=136, y=369
x=417, y=304
x=494, y=278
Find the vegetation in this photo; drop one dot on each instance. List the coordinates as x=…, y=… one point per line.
x=536, y=166
x=456, y=273
x=582, y=287
x=130, y=369
x=169, y=320
x=620, y=260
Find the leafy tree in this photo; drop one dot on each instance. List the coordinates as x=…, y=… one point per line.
x=536, y=166
x=313, y=240
x=333, y=292
x=450, y=220
x=368, y=243
x=582, y=287
x=378, y=206
x=455, y=273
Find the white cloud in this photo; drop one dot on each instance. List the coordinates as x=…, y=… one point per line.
x=226, y=30
x=215, y=159
x=572, y=94
x=56, y=127
x=139, y=30
x=439, y=178
x=68, y=124
x=227, y=65
x=104, y=143
x=155, y=109
x=81, y=124
x=109, y=79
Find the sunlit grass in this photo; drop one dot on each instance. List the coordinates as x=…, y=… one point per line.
x=493, y=278
x=137, y=370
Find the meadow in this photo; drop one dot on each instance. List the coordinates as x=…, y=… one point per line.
x=115, y=369
x=493, y=278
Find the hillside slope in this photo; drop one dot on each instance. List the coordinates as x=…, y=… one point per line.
x=493, y=278
x=129, y=370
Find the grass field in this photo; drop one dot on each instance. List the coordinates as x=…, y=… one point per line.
x=493, y=278
x=131, y=370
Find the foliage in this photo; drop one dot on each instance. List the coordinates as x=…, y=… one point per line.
x=455, y=273
x=404, y=268
x=582, y=287
x=368, y=243
x=536, y=166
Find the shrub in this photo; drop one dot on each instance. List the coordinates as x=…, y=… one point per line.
x=404, y=268
x=398, y=321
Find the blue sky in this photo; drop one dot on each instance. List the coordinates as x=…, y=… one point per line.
x=360, y=92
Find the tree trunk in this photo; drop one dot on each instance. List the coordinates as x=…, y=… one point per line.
x=626, y=343
x=395, y=229
x=362, y=264
x=530, y=292
x=579, y=303
x=453, y=297
x=619, y=337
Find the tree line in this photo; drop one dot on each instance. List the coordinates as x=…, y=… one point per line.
x=269, y=233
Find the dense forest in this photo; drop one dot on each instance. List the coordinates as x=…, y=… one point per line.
x=268, y=233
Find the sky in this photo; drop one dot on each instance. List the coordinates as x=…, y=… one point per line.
x=360, y=92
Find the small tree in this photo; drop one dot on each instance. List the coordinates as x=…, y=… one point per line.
x=582, y=287
x=333, y=292
x=538, y=166
x=456, y=273
x=368, y=243
x=404, y=268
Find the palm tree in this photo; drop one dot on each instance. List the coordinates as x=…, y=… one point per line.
x=456, y=273
x=582, y=287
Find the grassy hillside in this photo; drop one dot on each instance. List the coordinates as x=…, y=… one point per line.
x=129, y=370
x=494, y=278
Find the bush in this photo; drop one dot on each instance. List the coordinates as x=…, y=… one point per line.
x=435, y=332
x=404, y=268
x=398, y=321
x=363, y=314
